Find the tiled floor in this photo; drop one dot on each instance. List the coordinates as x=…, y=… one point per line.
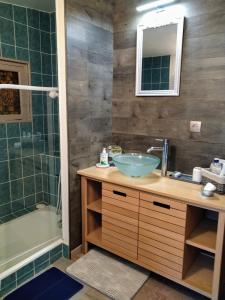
x=155, y=288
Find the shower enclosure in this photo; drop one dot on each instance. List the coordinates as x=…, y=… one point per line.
x=30, y=204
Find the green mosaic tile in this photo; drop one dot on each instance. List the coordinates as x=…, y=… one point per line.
x=164, y=86
x=42, y=259
x=37, y=164
x=6, y=10
x=38, y=183
x=45, y=21
x=17, y=189
x=42, y=267
x=2, y=131
x=8, y=51
x=29, y=201
x=37, y=105
x=28, y=166
x=45, y=42
x=34, y=39
x=56, y=250
x=27, y=146
x=33, y=18
x=36, y=79
x=39, y=197
x=14, y=148
x=26, y=128
x=17, y=205
x=5, y=209
x=25, y=277
x=24, y=270
x=7, y=32
x=3, y=150
x=8, y=280
x=156, y=62
x=29, y=188
x=21, y=35
x=165, y=75
x=53, y=24
x=20, y=14
x=22, y=54
x=4, y=193
x=4, y=171
x=166, y=61
x=54, y=64
x=66, y=251
x=15, y=169
x=46, y=64
x=53, y=43
x=55, y=257
x=35, y=59
x=47, y=80
x=13, y=130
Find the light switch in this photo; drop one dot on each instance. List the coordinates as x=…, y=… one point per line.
x=195, y=126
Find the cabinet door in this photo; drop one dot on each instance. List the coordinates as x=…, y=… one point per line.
x=120, y=211
x=161, y=235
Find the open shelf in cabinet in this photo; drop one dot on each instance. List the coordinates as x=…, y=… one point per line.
x=199, y=272
x=94, y=196
x=201, y=231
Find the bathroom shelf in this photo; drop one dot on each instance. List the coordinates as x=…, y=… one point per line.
x=95, y=206
x=200, y=274
x=204, y=236
x=95, y=237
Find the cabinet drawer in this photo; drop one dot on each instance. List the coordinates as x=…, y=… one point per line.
x=122, y=198
x=119, y=236
x=119, y=229
x=120, y=191
x=120, y=203
x=161, y=238
x=157, y=267
x=162, y=217
x=160, y=260
x=133, y=228
x=162, y=224
x=119, y=210
x=161, y=246
x=163, y=200
x=119, y=243
x=164, y=254
x=163, y=208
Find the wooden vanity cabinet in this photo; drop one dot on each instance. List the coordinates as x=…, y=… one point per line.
x=170, y=237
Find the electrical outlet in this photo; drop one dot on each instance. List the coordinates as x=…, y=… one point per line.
x=195, y=126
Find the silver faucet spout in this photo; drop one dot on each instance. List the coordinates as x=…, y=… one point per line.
x=165, y=153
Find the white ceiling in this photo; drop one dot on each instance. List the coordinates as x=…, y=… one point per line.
x=160, y=41
x=44, y=5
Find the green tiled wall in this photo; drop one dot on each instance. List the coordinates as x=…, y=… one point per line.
x=155, y=73
x=29, y=152
x=32, y=269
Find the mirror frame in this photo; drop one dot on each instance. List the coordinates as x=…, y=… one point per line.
x=155, y=23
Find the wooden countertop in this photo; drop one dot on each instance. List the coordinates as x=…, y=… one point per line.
x=154, y=183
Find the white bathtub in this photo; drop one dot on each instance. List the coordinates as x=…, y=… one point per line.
x=25, y=235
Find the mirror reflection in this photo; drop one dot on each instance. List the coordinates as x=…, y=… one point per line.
x=158, y=58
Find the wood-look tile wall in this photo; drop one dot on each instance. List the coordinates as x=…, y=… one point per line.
x=138, y=120
x=89, y=86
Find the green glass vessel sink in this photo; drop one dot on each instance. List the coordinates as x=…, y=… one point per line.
x=136, y=164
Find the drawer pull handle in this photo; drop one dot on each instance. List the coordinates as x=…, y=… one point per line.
x=161, y=204
x=120, y=193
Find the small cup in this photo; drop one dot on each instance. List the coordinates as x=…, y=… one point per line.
x=207, y=193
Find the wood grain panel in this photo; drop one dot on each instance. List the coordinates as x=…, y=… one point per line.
x=119, y=217
x=118, y=188
x=161, y=231
x=160, y=260
x=119, y=229
x=119, y=210
x=172, y=203
x=127, y=199
x=119, y=236
x=120, y=203
x=159, y=245
x=161, y=238
x=168, y=211
x=162, y=224
x=163, y=217
x=119, y=242
x=157, y=266
x=117, y=222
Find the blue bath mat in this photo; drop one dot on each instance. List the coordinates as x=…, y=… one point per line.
x=51, y=285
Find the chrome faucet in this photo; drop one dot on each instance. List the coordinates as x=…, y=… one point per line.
x=165, y=153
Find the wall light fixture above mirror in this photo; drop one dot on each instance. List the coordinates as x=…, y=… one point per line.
x=159, y=53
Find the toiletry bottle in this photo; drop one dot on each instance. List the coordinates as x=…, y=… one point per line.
x=104, y=157
x=222, y=173
x=216, y=166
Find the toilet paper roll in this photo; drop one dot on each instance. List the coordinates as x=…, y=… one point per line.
x=197, y=175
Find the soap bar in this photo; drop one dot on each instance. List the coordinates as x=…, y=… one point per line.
x=210, y=187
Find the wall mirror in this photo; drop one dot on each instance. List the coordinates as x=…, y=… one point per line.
x=159, y=53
